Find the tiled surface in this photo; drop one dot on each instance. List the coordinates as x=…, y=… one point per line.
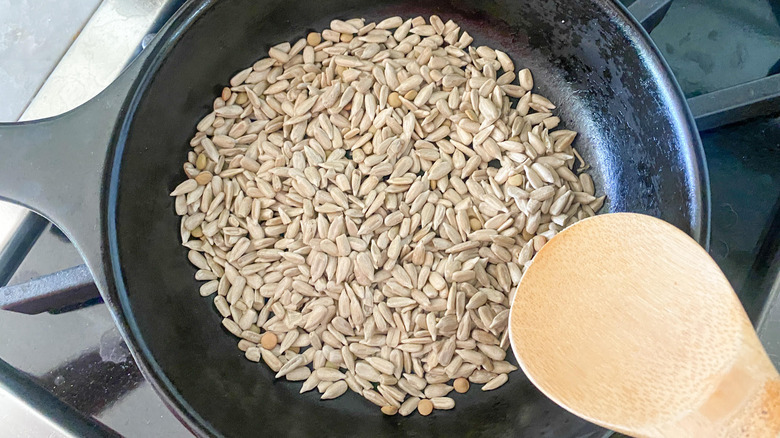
x=34, y=34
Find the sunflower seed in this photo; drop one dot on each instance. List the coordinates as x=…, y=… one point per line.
x=292, y=364
x=298, y=374
x=444, y=402
x=495, y=382
x=375, y=398
x=329, y=374
x=271, y=360
x=409, y=406
x=335, y=390
x=437, y=390
x=381, y=365
x=340, y=198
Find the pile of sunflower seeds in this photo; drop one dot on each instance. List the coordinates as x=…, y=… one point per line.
x=363, y=203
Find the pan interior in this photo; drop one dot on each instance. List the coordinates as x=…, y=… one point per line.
x=608, y=85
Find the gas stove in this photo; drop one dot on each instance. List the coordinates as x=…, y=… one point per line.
x=65, y=370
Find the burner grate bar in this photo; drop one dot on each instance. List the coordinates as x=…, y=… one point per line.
x=61, y=291
x=735, y=104
x=649, y=12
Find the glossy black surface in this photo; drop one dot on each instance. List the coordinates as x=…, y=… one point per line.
x=609, y=84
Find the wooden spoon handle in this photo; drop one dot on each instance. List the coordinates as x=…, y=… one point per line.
x=626, y=321
x=760, y=414
x=745, y=403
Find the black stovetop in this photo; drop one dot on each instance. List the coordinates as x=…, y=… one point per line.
x=709, y=44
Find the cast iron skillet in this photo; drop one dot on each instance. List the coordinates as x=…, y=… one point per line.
x=103, y=173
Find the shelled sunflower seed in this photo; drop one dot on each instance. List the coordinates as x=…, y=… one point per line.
x=363, y=202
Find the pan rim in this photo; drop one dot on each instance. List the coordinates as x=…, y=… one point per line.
x=700, y=190
x=166, y=40
x=120, y=302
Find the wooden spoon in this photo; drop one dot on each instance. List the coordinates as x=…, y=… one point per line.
x=627, y=322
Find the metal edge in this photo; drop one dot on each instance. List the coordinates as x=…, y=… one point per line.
x=686, y=125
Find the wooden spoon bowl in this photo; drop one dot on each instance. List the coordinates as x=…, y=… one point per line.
x=627, y=322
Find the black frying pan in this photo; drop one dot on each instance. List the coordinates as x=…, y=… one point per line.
x=103, y=173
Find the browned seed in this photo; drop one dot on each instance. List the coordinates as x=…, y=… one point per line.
x=425, y=407
x=313, y=38
x=203, y=178
x=201, y=162
x=394, y=100
x=269, y=340
x=461, y=385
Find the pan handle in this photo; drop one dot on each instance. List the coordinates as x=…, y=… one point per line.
x=56, y=166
